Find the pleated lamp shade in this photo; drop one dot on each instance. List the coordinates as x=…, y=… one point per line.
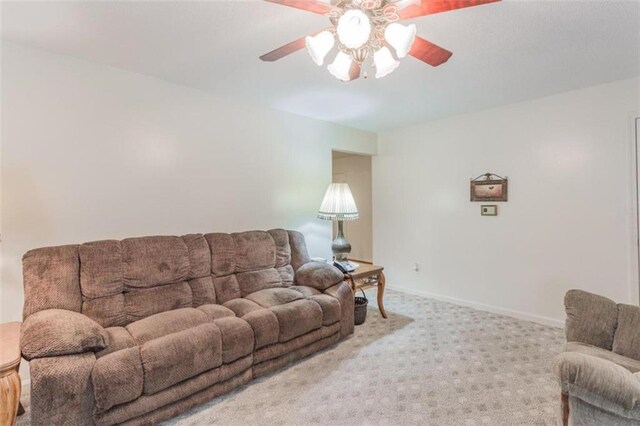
x=338, y=203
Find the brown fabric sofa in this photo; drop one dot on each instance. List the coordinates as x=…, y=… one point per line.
x=599, y=369
x=140, y=330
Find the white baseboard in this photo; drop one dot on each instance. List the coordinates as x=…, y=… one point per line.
x=481, y=306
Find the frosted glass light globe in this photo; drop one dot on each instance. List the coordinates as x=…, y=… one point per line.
x=401, y=38
x=354, y=29
x=319, y=46
x=341, y=66
x=385, y=62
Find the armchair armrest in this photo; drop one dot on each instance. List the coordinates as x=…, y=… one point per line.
x=318, y=275
x=600, y=383
x=55, y=332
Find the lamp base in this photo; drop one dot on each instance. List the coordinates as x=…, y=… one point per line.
x=340, y=246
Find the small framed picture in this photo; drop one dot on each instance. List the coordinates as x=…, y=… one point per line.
x=489, y=210
x=489, y=190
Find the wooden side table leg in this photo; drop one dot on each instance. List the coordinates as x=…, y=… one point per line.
x=352, y=284
x=381, y=282
x=9, y=397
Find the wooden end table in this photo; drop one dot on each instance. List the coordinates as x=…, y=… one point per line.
x=10, y=384
x=360, y=275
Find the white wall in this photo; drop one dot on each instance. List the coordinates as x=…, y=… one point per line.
x=91, y=152
x=356, y=171
x=568, y=222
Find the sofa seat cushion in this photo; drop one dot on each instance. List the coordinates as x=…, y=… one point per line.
x=630, y=364
x=179, y=356
x=264, y=323
x=117, y=378
x=280, y=349
x=241, y=307
x=119, y=339
x=166, y=323
x=297, y=318
x=215, y=312
x=270, y=297
x=266, y=329
x=237, y=338
x=305, y=290
x=330, y=308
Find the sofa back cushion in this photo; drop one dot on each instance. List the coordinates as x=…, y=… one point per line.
x=255, y=250
x=626, y=341
x=125, y=281
x=242, y=263
x=154, y=261
x=119, y=282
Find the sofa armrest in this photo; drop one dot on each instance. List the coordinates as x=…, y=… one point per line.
x=61, y=390
x=591, y=319
x=318, y=275
x=55, y=332
x=344, y=294
x=600, y=383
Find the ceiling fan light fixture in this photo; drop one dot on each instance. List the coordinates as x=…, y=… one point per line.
x=341, y=66
x=400, y=37
x=319, y=46
x=368, y=33
x=385, y=62
x=354, y=28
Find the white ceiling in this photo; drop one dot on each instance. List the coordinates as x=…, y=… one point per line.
x=502, y=53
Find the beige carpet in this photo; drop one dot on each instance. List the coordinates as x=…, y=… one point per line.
x=430, y=363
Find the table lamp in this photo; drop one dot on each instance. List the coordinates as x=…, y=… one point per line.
x=338, y=205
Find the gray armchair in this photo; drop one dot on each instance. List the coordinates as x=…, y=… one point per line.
x=599, y=369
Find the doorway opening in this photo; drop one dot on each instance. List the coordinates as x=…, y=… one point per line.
x=355, y=170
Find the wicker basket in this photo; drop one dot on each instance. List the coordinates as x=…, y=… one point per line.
x=360, y=309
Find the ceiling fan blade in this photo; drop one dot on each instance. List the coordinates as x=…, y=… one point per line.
x=354, y=71
x=428, y=52
x=308, y=5
x=429, y=7
x=283, y=51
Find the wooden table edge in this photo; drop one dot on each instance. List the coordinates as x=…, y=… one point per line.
x=377, y=271
x=10, y=355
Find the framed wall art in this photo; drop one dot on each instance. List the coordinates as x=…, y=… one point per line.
x=489, y=187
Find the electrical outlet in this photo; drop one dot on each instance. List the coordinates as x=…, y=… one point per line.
x=416, y=267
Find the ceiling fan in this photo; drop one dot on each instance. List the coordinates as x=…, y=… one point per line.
x=364, y=29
